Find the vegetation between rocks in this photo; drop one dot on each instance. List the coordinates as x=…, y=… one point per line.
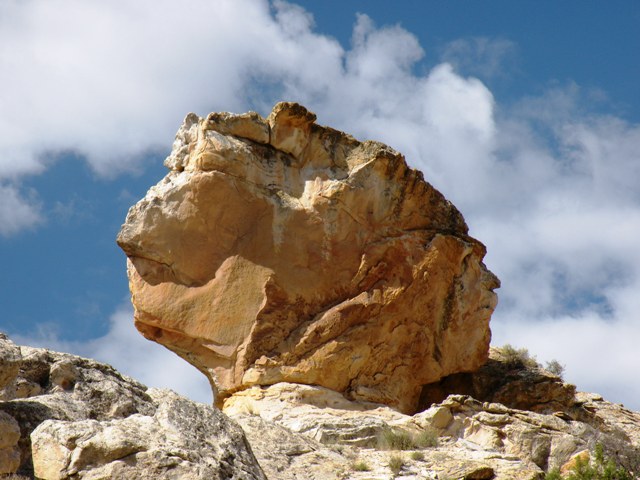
x=600, y=468
x=396, y=439
x=361, y=466
x=521, y=358
x=417, y=456
x=396, y=462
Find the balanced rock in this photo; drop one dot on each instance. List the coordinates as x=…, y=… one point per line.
x=279, y=250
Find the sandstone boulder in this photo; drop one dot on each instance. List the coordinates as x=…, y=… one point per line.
x=9, y=366
x=278, y=250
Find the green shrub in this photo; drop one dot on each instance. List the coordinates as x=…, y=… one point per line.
x=600, y=468
x=392, y=439
x=361, y=466
x=426, y=439
x=397, y=439
x=553, y=475
x=555, y=367
x=396, y=462
x=418, y=456
x=518, y=357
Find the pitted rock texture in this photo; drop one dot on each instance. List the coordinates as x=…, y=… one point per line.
x=473, y=438
x=68, y=417
x=279, y=250
x=183, y=439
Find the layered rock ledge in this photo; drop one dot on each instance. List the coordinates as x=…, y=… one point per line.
x=279, y=250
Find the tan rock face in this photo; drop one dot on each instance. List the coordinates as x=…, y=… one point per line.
x=280, y=250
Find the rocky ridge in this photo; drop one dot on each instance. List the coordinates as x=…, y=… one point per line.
x=66, y=417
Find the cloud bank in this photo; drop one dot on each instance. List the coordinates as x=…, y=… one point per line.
x=549, y=184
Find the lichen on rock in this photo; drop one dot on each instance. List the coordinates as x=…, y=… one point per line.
x=279, y=250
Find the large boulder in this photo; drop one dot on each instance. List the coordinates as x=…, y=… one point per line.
x=278, y=250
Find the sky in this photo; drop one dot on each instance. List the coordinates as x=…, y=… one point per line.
x=526, y=115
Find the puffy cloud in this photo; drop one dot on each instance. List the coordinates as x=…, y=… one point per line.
x=17, y=212
x=111, y=80
x=567, y=254
x=549, y=184
x=129, y=352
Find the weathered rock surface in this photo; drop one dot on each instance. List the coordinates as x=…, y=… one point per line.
x=9, y=428
x=182, y=439
x=474, y=438
x=83, y=420
x=511, y=383
x=63, y=416
x=278, y=250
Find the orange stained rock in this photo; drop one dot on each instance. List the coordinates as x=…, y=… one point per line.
x=280, y=250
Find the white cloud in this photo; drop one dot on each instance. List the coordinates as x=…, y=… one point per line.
x=130, y=353
x=548, y=184
x=17, y=212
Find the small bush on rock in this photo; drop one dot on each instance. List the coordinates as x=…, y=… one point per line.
x=361, y=466
x=518, y=357
x=395, y=439
x=396, y=462
x=555, y=367
x=601, y=468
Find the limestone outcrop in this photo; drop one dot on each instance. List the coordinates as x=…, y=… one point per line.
x=67, y=417
x=470, y=439
x=278, y=250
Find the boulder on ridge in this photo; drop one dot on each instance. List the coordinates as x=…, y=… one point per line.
x=279, y=250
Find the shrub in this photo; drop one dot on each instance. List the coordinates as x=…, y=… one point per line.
x=426, y=439
x=396, y=439
x=553, y=475
x=418, y=456
x=390, y=439
x=601, y=468
x=555, y=367
x=396, y=462
x=518, y=357
x=361, y=466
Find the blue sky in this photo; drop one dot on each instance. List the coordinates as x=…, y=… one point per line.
x=525, y=114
